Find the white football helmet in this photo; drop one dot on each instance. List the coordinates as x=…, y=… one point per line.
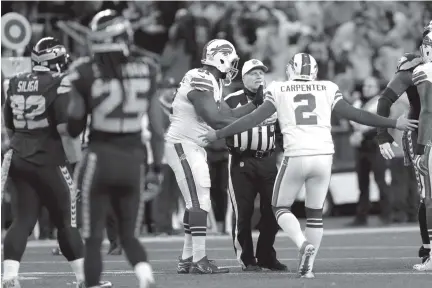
x=302, y=66
x=222, y=55
x=426, y=48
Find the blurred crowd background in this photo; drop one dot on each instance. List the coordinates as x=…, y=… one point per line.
x=357, y=44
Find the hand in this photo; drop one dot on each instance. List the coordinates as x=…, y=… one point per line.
x=403, y=123
x=209, y=137
x=153, y=183
x=387, y=151
x=259, y=97
x=420, y=164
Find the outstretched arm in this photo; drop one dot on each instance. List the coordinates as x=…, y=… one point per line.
x=395, y=88
x=237, y=112
x=206, y=108
x=251, y=120
x=425, y=120
x=345, y=110
x=157, y=128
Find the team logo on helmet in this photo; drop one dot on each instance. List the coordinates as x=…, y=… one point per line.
x=225, y=49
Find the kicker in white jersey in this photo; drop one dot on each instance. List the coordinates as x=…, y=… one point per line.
x=304, y=111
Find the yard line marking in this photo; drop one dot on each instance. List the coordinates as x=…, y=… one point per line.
x=234, y=260
x=127, y=272
x=255, y=234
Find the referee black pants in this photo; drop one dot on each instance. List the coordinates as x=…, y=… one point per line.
x=248, y=177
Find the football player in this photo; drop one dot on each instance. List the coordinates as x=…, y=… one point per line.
x=198, y=107
x=116, y=89
x=402, y=82
x=40, y=158
x=304, y=107
x=422, y=79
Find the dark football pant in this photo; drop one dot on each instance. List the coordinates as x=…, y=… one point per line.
x=248, y=176
x=52, y=187
x=108, y=175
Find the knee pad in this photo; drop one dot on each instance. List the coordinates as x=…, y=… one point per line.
x=280, y=210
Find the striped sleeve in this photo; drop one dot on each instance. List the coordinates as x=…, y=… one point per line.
x=201, y=84
x=338, y=96
x=419, y=76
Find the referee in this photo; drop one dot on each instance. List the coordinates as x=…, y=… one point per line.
x=252, y=170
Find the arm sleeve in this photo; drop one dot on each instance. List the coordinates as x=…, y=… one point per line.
x=345, y=110
x=396, y=87
x=60, y=107
x=251, y=120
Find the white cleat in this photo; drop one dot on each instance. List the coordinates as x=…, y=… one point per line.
x=11, y=283
x=308, y=275
x=306, y=252
x=102, y=284
x=425, y=266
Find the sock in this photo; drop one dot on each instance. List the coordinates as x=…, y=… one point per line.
x=314, y=230
x=10, y=269
x=78, y=268
x=144, y=273
x=187, y=245
x=289, y=224
x=423, y=225
x=198, y=227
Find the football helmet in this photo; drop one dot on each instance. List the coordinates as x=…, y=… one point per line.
x=222, y=55
x=110, y=32
x=302, y=66
x=427, y=29
x=426, y=48
x=51, y=54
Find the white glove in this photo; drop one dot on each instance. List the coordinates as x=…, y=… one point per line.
x=387, y=151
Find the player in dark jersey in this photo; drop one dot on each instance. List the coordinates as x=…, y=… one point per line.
x=116, y=89
x=400, y=83
x=39, y=162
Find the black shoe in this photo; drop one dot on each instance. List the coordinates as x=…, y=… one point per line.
x=252, y=268
x=204, y=266
x=115, y=249
x=273, y=266
x=358, y=222
x=423, y=253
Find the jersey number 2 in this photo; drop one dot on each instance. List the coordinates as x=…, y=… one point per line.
x=25, y=110
x=112, y=114
x=308, y=107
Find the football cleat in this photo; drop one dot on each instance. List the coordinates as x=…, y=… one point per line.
x=306, y=252
x=308, y=275
x=115, y=249
x=204, y=266
x=102, y=284
x=425, y=266
x=184, y=265
x=11, y=283
x=423, y=253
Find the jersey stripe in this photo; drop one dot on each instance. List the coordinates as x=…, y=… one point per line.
x=419, y=77
x=201, y=80
x=306, y=65
x=202, y=87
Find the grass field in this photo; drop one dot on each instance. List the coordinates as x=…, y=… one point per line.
x=370, y=257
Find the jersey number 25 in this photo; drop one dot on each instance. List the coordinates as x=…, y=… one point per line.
x=118, y=114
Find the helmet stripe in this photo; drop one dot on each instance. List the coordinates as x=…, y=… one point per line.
x=306, y=65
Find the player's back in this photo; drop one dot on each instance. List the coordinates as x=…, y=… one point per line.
x=32, y=98
x=186, y=125
x=117, y=97
x=304, y=111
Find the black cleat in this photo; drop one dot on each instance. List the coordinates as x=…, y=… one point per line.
x=274, y=266
x=204, y=266
x=252, y=268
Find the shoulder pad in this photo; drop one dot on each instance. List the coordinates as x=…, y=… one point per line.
x=408, y=61
x=422, y=73
x=78, y=62
x=199, y=79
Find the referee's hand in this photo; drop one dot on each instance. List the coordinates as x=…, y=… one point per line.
x=259, y=97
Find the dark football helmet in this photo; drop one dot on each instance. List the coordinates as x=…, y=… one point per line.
x=50, y=53
x=110, y=32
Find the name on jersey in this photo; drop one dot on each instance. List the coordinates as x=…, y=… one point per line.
x=28, y=86
x=135, y=70
x=303, y=88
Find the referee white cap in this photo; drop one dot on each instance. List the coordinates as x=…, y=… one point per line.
x=252, y=64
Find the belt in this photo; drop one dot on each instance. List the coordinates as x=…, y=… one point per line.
x=250, y=153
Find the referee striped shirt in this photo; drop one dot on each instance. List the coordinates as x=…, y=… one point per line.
x=260, y=138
